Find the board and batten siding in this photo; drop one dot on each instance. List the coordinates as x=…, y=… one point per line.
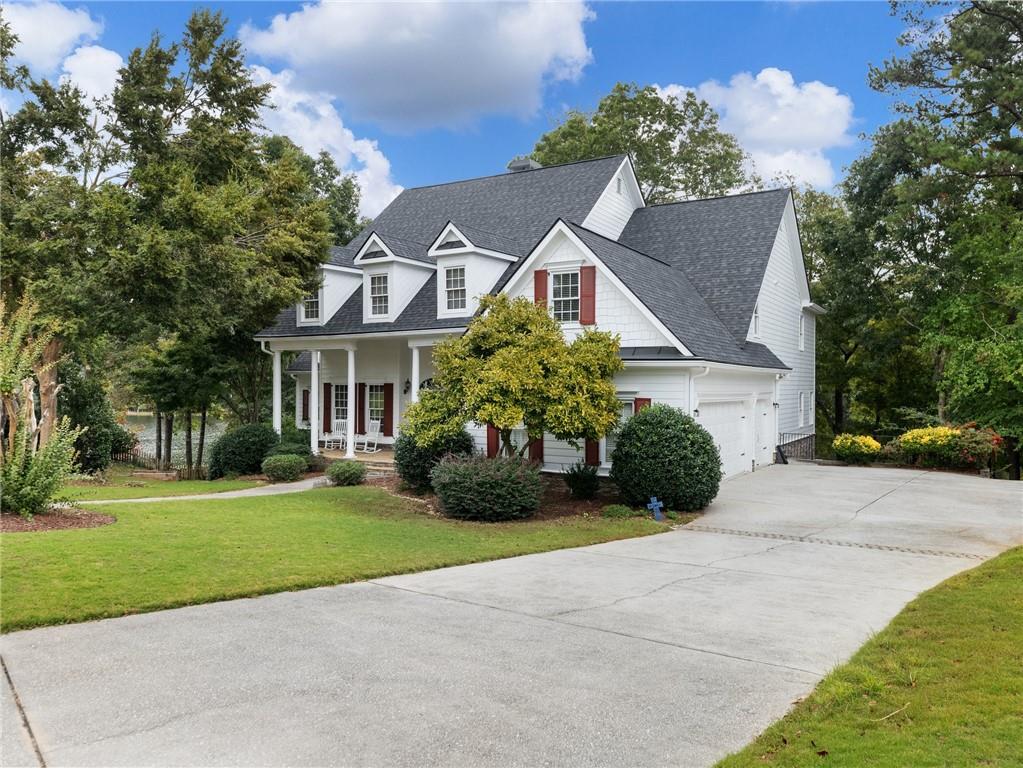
x=780, y=305
x=614, y=208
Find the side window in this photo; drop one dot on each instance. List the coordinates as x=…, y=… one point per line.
x=454, y=286
x=311, y=307
x=378, y=295
x=565, y=296
x=802, y=331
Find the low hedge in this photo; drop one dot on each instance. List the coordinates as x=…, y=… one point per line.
x=663, y=452
x=487, y=489
x=346, y=473
x=856, y=449
x=284, y=468
x=290, y=449
x=415, y=462
x=241, y=451
x=945, y=446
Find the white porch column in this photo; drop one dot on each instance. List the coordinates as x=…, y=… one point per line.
x=350, y=437
x=314, y=401
x=277, y=392
x=415, y=374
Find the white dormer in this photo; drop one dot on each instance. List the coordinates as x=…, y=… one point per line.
x=393, y=272
x=337, y=284
x=469, y=264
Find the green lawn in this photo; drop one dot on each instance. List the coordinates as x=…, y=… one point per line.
x=942, y=685
x=117, y=486
x=159, y=555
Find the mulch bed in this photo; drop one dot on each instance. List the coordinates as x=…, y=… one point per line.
x=556, y=502
x=55, y=520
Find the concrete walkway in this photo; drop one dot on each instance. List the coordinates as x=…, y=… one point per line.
x=666, y=650
x=272, y=489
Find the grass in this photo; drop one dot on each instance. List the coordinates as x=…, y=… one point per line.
x=164, y=555
x=119, y=475
x=942, y=685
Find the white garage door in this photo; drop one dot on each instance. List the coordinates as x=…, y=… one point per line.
x=765, y=438
x=725, y=422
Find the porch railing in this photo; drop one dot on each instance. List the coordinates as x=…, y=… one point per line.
x=798, y=445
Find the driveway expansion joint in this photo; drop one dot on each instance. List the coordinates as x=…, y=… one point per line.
x=22, y=715
x=812, y=539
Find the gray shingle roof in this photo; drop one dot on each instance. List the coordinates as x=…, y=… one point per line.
x=491, y=241
x=722, y=244
x=672, y=298
x=516, y=207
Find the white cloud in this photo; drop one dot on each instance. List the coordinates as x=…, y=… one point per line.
x=310, y=120
x=416, y=65
x=785, y=126
x=48, y=31
x=93, y=69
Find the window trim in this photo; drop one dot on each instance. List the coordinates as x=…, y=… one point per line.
x=464, y=289
x=802, y=331
x=623, y=399
x=371, y=276
x=303, y=319
x=337, y=388
x=383, y=402
x=575, y=269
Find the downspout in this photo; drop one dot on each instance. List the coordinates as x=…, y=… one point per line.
x=693, y=404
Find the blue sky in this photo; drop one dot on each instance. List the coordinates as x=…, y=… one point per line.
x=411, y=95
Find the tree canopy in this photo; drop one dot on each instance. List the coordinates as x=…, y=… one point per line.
x=675, y=143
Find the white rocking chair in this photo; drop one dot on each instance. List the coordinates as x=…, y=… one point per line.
x=338, y=435
x=369, y=440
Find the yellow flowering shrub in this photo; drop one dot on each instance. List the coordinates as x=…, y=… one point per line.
x=856, y=449
x=929, y=440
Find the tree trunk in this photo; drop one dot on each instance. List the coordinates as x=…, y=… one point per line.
x=159, y=438
x=939, y=372
x=188, y=441
x=202, y=436
x=46, y=375
x=839, y=426
x=168, y=436
x=1012, y=446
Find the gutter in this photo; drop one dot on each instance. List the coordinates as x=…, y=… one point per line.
x=693, y=409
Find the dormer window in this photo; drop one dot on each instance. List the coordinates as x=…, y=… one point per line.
x=565, y=296
x=378, y=305
x=311, y=307
x=454, y=287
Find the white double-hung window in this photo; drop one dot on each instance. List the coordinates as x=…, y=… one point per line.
x=565, y=296
x=311, y=307
x=340, y=402
x=375, y=401
x=454, y=287
x=378, y=304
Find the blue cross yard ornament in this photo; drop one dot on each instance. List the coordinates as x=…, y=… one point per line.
x=656, y=506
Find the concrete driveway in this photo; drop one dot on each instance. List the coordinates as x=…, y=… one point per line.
x=668, y=650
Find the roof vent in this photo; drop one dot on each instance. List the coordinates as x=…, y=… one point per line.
x=523, y=163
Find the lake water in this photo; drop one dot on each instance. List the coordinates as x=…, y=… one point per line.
x=145, y=428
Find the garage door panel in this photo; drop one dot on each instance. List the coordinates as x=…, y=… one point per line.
x=726, y=425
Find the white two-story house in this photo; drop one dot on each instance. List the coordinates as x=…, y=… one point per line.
x=709, y=297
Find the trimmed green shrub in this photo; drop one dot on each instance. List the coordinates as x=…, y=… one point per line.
x=241, y=451
x=620, y=511
x=478, y=488
x=414, y=462
x=284, y=468
x=292, y=434
x=856, y=449
x=84, y=401
x=663, y=452
x=346, y=473
x=290, y=449
x=582, y=480
x=30, y=481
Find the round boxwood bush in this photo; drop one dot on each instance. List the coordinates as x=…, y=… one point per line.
x=582, y=480
x=346, y=473
x=414, y=462
x=284, y=468
x=663, y=452
x=856, y=449
x=241, y=451
x=478, y=488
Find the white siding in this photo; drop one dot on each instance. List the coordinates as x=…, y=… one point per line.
x=781, y=304
x=616, y=312
x=613, y=208
x=338, y=287
x=403, y=282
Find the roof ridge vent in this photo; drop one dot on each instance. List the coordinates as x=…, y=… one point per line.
x=522, y=163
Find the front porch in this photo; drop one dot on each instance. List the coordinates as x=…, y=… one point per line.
x=382, y=460
x=348, y=391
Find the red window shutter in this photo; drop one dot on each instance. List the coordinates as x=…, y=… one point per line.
x=387, y=423
x=536, y=451
x=328, y=410
x=588, y=295
x=593, y=452
x=493, y=441
x=640, y=403
x=305, y=405
x=540, y=286
x=360, y=409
